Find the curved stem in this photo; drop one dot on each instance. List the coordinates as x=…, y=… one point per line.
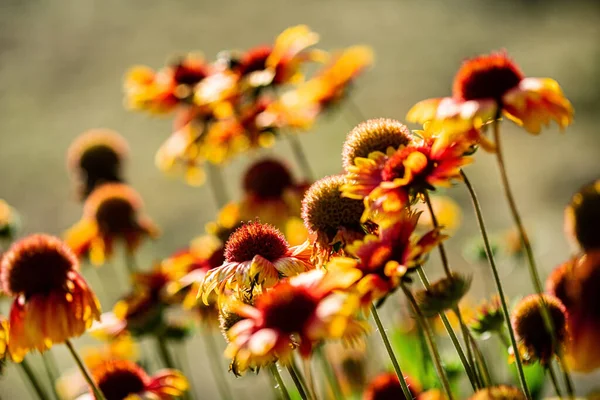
x=329, y=373
x=295, y=374
x=217, y=185
x=213, y=354
x=51, y=369
x=280, y=383
x=301, y=157
x=453, y=337
x=554, y=380
x=435, y=355
x=84, y=371
x=490, y=256
x=35, y=384
x=163, y=352
x=390, y=351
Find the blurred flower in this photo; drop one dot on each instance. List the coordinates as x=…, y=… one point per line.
x=447, y=212
x=488, y=318
x=333, y=220
x=374, y=135
x=488, y=86
x=432, y=394
x=385, y=259
x=256, y=255
x=96, y=157
x=350, y=365
x=577, y=284
x=4, y=355
x=535, y=342
x=500, y=392
x=123, y=379
x=388, y=181
x=582, y=217
x=444, y=294
x=299, y=311
x=112, y=212
x=53, y=303
x=9, y=222
x=386, y=386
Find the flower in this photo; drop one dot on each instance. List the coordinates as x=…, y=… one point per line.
x=387, y=181
x=111, y=212
x=535, y=342
x=488, y=318
x=4, y=355
x=386, y=386
x=576, y=284
x=386, y=258
x=374, y=135
x=120, y=379
x=96, y=157
x=500, y=392
x=444, y=294
x=488, y=86
x=334, y=220
x=52, y=302
x=256, y=255
x=121, y=347
x=9, y=222
x=299, y=311
x=432, y=394
x=582, y=217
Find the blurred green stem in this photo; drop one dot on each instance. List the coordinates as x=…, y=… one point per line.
x=215, y=359
x=51, y=369
x=217, y=185
x=35, y=384
x=298, y=381
x=85, y=372
x=275, y=372
x=329, y=373
x=554, y=380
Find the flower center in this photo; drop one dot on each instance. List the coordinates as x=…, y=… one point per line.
x=254, y=59
x=119, y=379
x=374, y=135
x=37, y=264
x=189, y=72
x=408, y=162
x=286, y=308
x=486, y=77
x=115, y=215
x=267, y=179
x=254, y=239
x=324, y=210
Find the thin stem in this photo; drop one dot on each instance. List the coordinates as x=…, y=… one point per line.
x=84, y=371
x=490, y=256
x=280, y=384
x=217, y=185
x=436, y=225
x=163, y=352
x=566, y=375
x=453, y=337
x=503, y=338
x=309, y=383
x=213, y=354
x=554, y=380
x=301, y=157
x=274, y=385
x=184, y=362
x=329, y=373
x=466, y=335
x=433, y=350
x=485, y=372
x=52, y=370
x=295, y=374
x=130, y=263
x=37, y=387
x=390, y=351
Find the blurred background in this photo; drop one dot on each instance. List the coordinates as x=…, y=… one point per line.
x=61, y=71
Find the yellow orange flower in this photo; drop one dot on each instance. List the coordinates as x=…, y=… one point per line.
x=582, y=217
x=123, y=379
x=9, y=221
x=112, y=212
x=53, y=303
x=384, y=259
x=4, y=331
x=122, y=347
x=387, y=386
x=333, y=220
x=500, y=392
x=576, y=284
x=299, y=311
x=488, y=86
x=388, y=181
x=96, y=157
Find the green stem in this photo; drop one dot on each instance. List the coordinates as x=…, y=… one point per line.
x=130, y=263
x=213, y=354
x=554, y=380
x=35, y=384
x=309, y=382
x=466, y=335
x=484, y=371
x=390, y=351
x=301, y=157
x=163, y=352
x=295, y=374
x=566, y=375
x=453, y=337
x=433, y=350
x=217, y=185
x=84, y=371
x=329, y=373
x=280, y=383
x=436, y=225
x=52, y=370
x=490, y=256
